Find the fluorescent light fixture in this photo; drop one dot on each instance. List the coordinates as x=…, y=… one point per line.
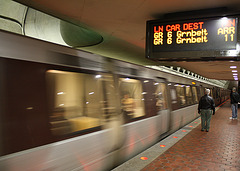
x=235, y=74
x=98, y=76
x=59, y=93
x=233, y=52
x=234, y=71
x=233, y=67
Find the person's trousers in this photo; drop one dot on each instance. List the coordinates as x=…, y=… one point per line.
x=234, y=110
x=206, y=115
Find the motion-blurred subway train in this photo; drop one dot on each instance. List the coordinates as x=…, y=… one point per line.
x=66, y=109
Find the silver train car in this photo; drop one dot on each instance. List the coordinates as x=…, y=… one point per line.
x=66, y=109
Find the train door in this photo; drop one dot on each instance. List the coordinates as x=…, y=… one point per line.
x=112, y=113
x=85, y=103
x=216, y=96
x=162, y=104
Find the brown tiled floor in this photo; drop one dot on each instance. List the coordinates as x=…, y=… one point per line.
x=218, y=149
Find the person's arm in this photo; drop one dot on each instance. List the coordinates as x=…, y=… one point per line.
x=213, y=106
x=199, y=105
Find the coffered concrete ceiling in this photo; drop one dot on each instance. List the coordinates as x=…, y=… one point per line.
x=122, y=25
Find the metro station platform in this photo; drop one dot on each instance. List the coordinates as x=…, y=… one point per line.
x=191, y=149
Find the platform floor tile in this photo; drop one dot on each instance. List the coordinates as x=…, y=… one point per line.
x=216, y=150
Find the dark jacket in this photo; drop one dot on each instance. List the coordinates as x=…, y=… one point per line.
x=234, y=96
x=206, y=102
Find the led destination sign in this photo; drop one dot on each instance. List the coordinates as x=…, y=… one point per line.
x=201, y=35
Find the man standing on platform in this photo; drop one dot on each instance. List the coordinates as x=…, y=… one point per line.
x=206, y=108
x=234, y=97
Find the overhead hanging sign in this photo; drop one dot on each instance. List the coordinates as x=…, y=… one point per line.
x=212, y=37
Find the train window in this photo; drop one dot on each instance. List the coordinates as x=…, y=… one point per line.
x=181, y=94
x=213, y=93
x=210, y=91
x=202, y=91
x=189, y=95
x=79, y=101
x=195, y=97
x=132, y=98
x=173, y=95
x=217, y=93
x=161, y=96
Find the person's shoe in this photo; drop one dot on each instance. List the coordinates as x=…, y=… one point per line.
x=207, y=130
x=202, y=129
x=230, y=118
